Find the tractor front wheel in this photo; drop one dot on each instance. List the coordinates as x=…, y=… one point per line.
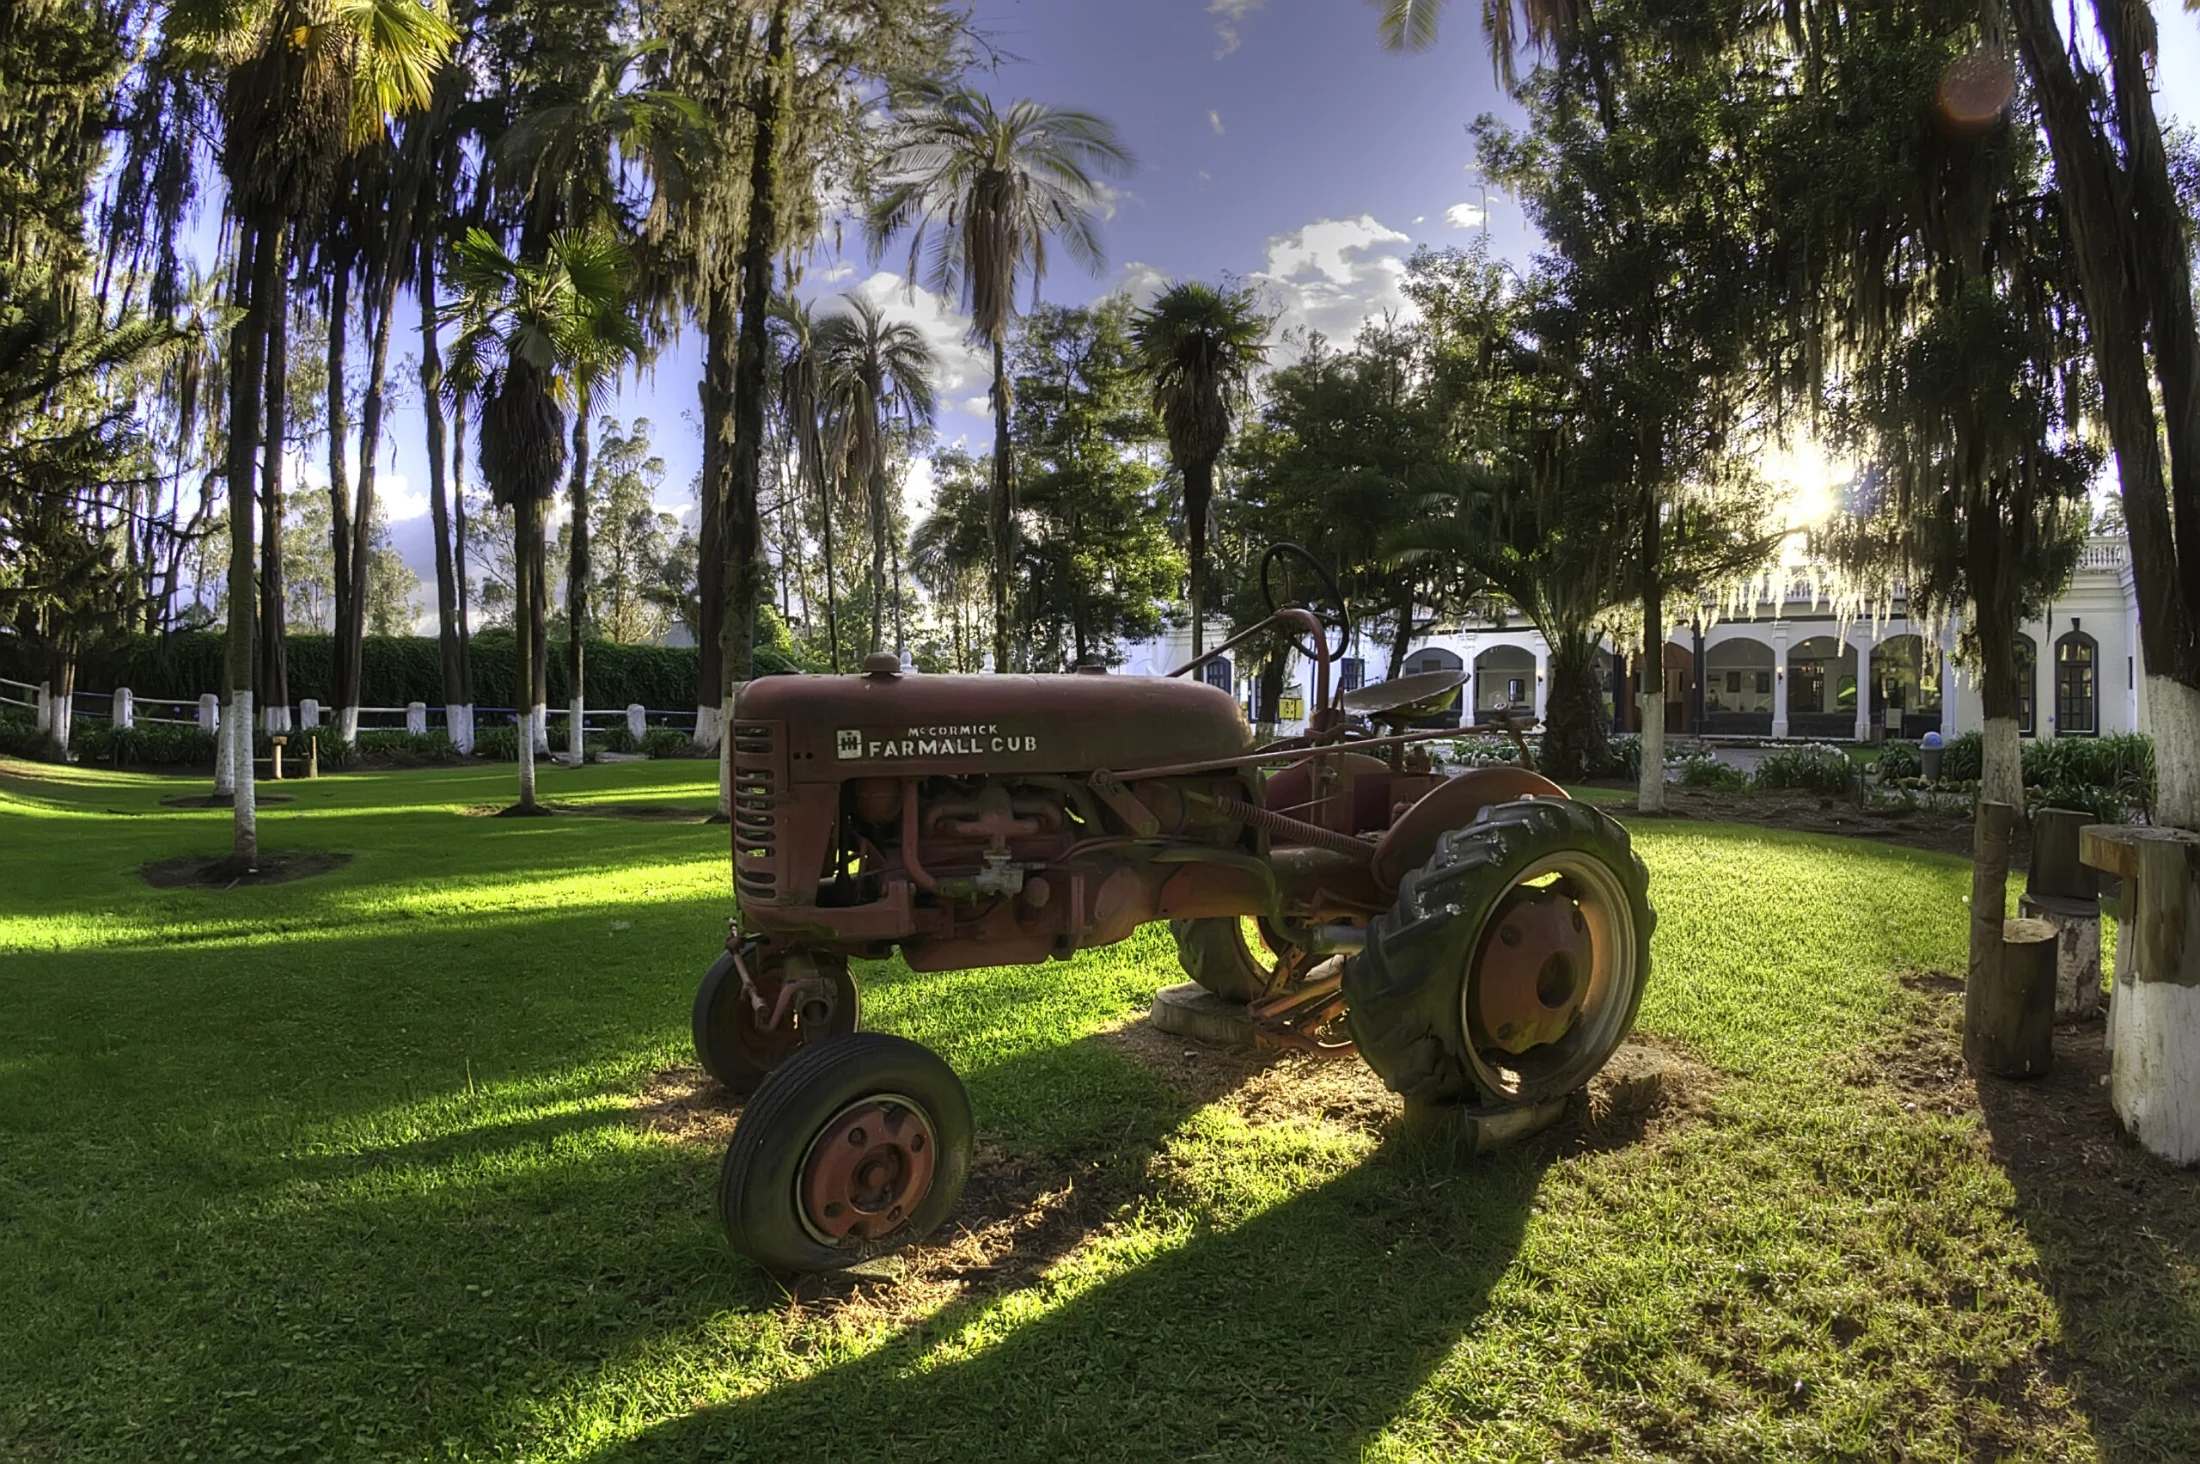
x=1513, y=963
x=1230, y=956
x=848, y=1152
x=738, y=1045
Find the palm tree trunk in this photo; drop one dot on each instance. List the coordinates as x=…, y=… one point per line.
x=274, y=687
x=1199, y=493
x=262, y=244
x=576, y=586
x=456, y=715
x=1650, y=785
x=832, y=602
x=458, y=563
x=526, y=532
x=370, y=445
x=716, y=392
x=877, y=496
x=345, y=678
x=1001, y=512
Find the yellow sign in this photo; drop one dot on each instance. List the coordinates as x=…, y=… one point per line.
x=1290, y=708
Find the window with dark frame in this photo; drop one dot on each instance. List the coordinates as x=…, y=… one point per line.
x=2077, y=688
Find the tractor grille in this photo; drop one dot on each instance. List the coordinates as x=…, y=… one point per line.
x=759, y=774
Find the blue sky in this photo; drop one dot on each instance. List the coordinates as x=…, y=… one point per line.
x=1277, y=142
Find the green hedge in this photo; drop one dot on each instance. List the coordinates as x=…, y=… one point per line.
x=394, y=669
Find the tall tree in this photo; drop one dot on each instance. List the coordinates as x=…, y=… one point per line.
x=986, y=190
x=878, y=378
x=1200, y=346
x=530, y=327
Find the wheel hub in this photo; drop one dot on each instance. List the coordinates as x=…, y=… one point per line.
x=1531, y=977
x=867, y=1170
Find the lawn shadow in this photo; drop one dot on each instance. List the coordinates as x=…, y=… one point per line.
x=2116, y=1230
x=1298, y=1332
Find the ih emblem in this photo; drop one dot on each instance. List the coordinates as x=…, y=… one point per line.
x=847, y=743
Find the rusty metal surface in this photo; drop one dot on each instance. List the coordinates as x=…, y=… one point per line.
x=1297, y=1020
x=1531, y=974
x=1452, y=804
x=1405, y=699
x=838, y=727
x=867, y=1169
x=1354, y=798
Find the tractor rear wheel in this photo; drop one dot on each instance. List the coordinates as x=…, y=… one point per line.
x=1512, y=964
x=731, y=1038
x=1229, y=955
x=848, y=1152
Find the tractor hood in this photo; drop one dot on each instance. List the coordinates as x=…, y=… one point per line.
x=857, y=726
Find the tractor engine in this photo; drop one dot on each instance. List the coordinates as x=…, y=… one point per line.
x=972, y=821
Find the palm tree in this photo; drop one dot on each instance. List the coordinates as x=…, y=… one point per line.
x=987, y=189
x=532, y=332
x=813, y=434
x=1410, y=25
x=304, y=84
x=1199, y=345
x=878, y=374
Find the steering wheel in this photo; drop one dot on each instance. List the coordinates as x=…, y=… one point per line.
x=1342, y=620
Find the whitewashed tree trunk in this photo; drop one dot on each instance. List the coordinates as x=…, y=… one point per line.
x=725, y=757
x=347, y=724
x=460, y=720
x=225, y=772
x=2173, y=716
x=526, y=767
x=275, y=719
x=576, y=748
x=538, y=726
x=64, y=719
x=709, y=730
x=246, y=823
x=2001, y=765
x=1650, y=795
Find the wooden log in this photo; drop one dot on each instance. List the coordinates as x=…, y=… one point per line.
x=2155, y=1072
x=2009, y=1018
x=2056, y=869
x=1989, y=896
x=2077, y=951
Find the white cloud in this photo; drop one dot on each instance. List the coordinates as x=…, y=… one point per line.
x=980, y=405
x=1420, y=218
x=1139, y=280
x=1465, y=215
x=1230, y=13
x=1334, y=275
x=920, y=490
x=1214, y=120
x=837, y=273
x=944, y=327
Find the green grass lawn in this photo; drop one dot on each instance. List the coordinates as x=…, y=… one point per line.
x=353, y=1168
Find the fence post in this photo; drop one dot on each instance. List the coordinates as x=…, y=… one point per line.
x=45, y=706
x=416, y=718
x=637, y=721
x=210, y=714
x=125, y=708
x=309, y=714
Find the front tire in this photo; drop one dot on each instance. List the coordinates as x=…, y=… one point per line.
x=1443, y=1010
x=731, y=1041
x=848, y=1152
x=1229, y=956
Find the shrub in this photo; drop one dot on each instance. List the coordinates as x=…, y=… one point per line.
x=1627, y=757
x=620, y=739
x=1898, y=760
x=1963, y=759
x=1709, y=772
x=1815, y=768
x=497, y=743
x=20, y=737
x=667, y=742
x=146, y=745
x=409, y=749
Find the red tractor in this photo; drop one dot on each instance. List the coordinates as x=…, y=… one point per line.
x=1481, y=939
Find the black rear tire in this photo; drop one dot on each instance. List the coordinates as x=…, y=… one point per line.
x=1407, y=988
x=730, y=1043
x=1216, y=952
x=760, y=1201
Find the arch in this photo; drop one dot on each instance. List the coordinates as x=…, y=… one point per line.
x=1905, y=685
x=1504, y=683
x=1737, y=692
x=1822, y=688
x=2077, y=685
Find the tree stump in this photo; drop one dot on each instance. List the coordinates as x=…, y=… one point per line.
x=2077, y=952
x=2009, y=1015
x=2154, y=1081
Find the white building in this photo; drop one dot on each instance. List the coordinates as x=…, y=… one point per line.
x=1788, y=669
